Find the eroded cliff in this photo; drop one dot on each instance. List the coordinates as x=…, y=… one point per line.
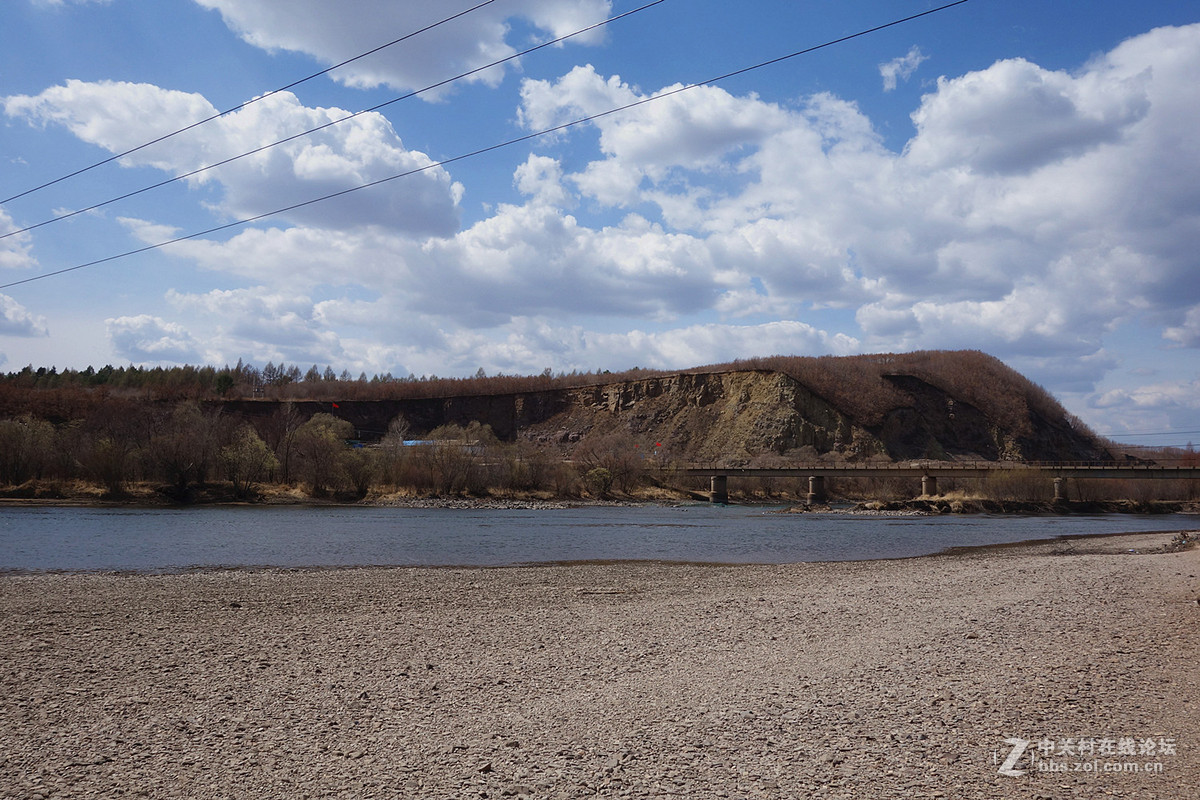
x=743, y=416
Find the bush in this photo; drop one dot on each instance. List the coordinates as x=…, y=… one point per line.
x=599, y=481
x=618, y=454
x=321, y=445
x=247, y=461
x=1018, y=484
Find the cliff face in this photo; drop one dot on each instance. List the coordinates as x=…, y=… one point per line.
x=739, y=417
x=707, y=417
x=733, y=418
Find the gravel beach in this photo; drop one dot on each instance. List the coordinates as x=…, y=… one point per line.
x=874, y=679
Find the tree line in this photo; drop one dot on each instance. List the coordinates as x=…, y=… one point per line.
x=288, y=382
x=187, y=451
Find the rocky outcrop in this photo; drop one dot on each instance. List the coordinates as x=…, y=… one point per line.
x=735, y=417
x=728, y=417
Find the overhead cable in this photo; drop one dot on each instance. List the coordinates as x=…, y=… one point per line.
x=330, y=124
x=239, y=107
x=488, y=149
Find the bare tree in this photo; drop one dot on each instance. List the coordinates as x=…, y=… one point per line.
x=25, y=448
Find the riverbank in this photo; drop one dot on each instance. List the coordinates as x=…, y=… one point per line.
x=873, y=679
x=981, y=505
x=150, y=495
x=147, y=495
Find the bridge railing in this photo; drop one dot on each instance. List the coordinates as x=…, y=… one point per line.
x=908, y=466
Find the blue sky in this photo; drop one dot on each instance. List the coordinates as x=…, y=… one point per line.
x=1017, y=177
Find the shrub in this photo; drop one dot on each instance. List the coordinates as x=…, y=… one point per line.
x=321, y=445
x=599, y=481
x=247, y=461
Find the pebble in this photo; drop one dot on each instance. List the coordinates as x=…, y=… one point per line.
x=887, y=679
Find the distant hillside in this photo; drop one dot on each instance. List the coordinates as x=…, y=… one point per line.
x=941, y=405
x=936, y=404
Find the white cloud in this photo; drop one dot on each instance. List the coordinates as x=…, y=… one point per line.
x=694, y=130
x=1167, y=395
x=273, y=325
x=15, y=250
x=1016, y=116
x=699, y=344
x=1187, y=334
x=16, y=320
x=901, y=68
x=1032, y=212
x=119, y=116
x=1162, y=406
x=751, y=302
x=541, y=179
x=146, y=339
x=333, y=33
x=526, y=345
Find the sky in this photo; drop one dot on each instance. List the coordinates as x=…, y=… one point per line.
x=1019, y=177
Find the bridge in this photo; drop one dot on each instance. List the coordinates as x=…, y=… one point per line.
x=930, y=471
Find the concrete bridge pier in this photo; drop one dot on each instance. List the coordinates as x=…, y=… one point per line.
x=1058, y=490
x=928, y=485
x=719, y=489
x=816, y=489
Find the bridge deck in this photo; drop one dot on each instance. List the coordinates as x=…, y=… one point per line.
x=965, y=469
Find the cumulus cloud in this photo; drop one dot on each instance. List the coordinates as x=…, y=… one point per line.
x=119, y=116
x=333, y=33
x=695, y=130
x=16, y=250
x=699, y=344
x=901, y=68
x=526, y=345
x=1187, y=333
x=1016, y=116
x=541, y=179
x=530, y=259
x=1160, y=406
x=16, y=320
x=1167, y=396
x=1031, y=206
x=276, y=325
x=147, y=339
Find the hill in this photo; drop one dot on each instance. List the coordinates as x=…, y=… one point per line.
x=941, y=405
x=188, y=432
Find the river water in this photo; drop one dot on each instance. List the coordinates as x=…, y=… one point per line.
x=167, y=540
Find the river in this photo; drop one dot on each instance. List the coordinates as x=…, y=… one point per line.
x=34, y=539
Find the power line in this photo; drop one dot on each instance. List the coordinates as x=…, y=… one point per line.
x=489, y=148
x=329, y=124
x=198, y=123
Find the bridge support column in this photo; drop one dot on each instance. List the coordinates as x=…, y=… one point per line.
x=816, y=489
x=928, y=485
x=719, y=489
x=1058, y=490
